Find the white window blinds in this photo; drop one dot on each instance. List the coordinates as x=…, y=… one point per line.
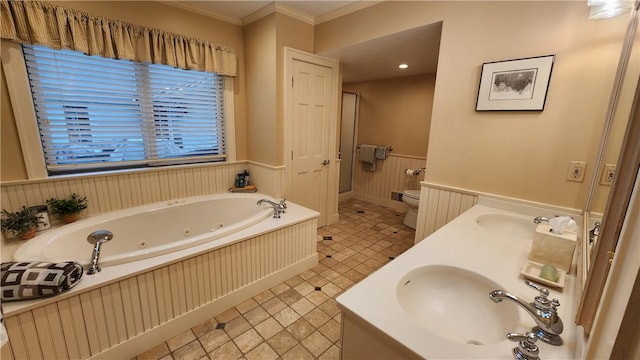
x=97, y=113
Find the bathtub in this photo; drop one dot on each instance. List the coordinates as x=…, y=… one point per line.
x=169, y=266
x=149, y=230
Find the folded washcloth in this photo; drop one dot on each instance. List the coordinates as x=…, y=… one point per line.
x=381, y=153
x=30, y=280
x=368, y=157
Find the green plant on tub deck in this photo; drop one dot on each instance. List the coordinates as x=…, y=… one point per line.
x=68, y=209
x=21, y=223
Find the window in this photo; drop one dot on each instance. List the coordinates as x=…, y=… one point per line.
x=96, y=113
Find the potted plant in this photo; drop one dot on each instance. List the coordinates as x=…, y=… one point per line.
x=68, y=209
x=21, y=223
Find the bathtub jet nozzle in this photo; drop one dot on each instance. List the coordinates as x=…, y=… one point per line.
x=96, y=238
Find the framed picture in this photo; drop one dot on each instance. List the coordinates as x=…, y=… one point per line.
x=515, y=85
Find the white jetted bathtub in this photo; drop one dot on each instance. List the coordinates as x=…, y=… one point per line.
x=169, y=266
x=149, y=230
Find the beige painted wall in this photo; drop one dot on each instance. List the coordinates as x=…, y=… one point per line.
x=260, y=50
x=518, y=154
x=11, y=160
x=265, y=40
x=395, y=112
x=159, y=16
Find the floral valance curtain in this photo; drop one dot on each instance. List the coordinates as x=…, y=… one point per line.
x=40, y=23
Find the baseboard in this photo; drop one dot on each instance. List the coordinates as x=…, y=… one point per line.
x=393, y=204
x=145, y=341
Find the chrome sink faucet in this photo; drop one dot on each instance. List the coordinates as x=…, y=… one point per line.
x=278, y=208
x=543, y=311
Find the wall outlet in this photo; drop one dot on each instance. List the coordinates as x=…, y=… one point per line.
x=576, y=171
x=608, y=172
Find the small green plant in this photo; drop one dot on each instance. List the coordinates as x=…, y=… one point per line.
x=71, y=206
x=21, y=222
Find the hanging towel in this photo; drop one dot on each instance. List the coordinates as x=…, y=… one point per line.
x=368, y=157
x=381, y=153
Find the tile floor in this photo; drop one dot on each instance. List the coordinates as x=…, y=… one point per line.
x=299, y=319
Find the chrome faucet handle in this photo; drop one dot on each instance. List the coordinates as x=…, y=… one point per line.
x=283, y=204
x=527, y=348
x=541, y=301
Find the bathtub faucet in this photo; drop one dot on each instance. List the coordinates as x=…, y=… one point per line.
x=544, y=312
x=278, y=208
x=539, y=219
x=96, y=238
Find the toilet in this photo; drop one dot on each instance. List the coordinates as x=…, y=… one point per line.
x=412, y=199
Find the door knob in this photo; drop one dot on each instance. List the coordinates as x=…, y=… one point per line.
x=326, y=162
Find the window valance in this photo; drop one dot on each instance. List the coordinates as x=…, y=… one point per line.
x=39, y=23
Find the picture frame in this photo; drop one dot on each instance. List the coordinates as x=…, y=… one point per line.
x=515, y=85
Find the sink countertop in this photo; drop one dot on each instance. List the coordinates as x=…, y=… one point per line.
x=465, y=244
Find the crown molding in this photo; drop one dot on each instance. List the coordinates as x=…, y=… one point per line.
x=259, y=14
x=211, y=14
x=356, y=6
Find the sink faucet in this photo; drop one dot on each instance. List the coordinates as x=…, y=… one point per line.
x=544, y=312
x=278, y=208
x=594, y=233
x=96, y=238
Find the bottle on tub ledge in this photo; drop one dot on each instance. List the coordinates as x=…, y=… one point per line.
x=242, y=183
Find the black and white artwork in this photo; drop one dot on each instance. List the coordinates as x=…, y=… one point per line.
x=516, y=85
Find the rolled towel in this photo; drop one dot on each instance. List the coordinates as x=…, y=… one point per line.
x=30, y=280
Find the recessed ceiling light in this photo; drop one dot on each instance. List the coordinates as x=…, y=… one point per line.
x=403, y=66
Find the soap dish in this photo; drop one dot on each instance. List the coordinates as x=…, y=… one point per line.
x=531, y=270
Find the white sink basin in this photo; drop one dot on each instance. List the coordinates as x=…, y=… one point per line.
x=508, y=225
x=454, y=303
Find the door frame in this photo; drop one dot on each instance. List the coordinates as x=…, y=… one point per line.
x=330, y=213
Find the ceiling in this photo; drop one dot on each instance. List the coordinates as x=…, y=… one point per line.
x=374, y=59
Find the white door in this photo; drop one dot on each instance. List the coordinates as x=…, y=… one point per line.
x=312, y=121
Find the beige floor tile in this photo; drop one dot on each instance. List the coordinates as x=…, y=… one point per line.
x=155, y=352
x=192, y=350
x=268, y=328
x=282, y=342
x=204, y=327
x=333, y=353
x=290, y=296
x=228, y=315
x=280, y=288
x=302, y=306
x=294, y=281
x=246, y=306
x=304, y=288
x=228, y=351
x=248, y=340
x=257, y=315
x=300, y=329
x=180, y=340
x=331, y=330
x=316, y=317
x=262, y=352
x=317, y=297
x=331, y=289
x=273, y=306
x=316, y=343
x=329, y=307
x=286, y=316
x=263, y=297
x=237, y=326
x=214, y=339
x=298, y=353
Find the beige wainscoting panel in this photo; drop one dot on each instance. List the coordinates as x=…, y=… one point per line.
x=438, y=206
x=123, y=190
x=86, y=324
x=376, y=186
x=270, y=180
